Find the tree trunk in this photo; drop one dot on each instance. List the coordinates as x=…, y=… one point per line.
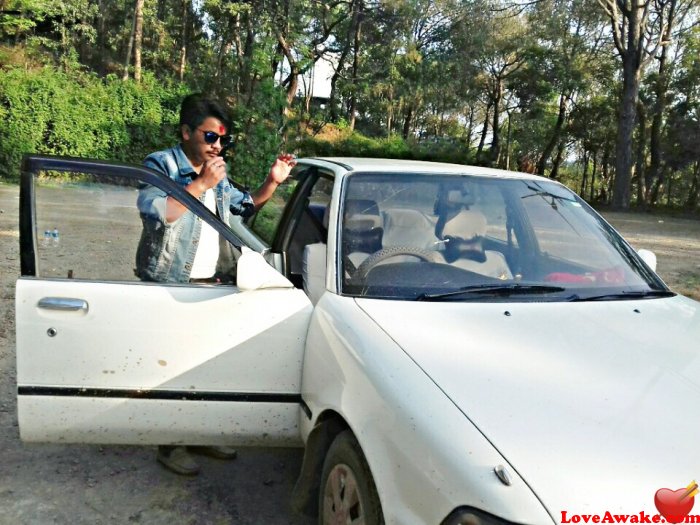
x=332, y=101
x=605, y=176
x=224, y=48
x=341, y=62
x=656, y=189
x=470, y=127
x=641, y=157
x=248, y=51
x=308, y=95
x=694, y=193
x=293, y=85
x=129, y=49
x=407, y=121
x=356, y=64
x=495, y=143
x=294, y=71
x=183, y=40
x=625, y=132
x=584, y=177
x=138, y=39
x=390, y=112
x=594, y=155
x=240, y=64
x=484, y=131
x=554, y=175
x=635, y=28
x=555, y=138
x=508, y=132
x=101, y=33
x=660, y=92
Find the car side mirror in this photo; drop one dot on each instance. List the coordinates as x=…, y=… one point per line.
x=648, y=257
x=253, y=273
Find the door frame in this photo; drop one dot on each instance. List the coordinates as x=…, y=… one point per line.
x=32, y=164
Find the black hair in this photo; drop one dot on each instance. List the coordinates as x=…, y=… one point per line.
x=195, y=108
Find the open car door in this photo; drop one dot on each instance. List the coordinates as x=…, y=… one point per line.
x=103, y=357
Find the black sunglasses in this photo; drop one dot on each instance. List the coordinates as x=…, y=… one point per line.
x=211, y=137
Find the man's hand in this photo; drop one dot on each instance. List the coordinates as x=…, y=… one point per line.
x=281, y=168
x=213, y=171
x=279, y=172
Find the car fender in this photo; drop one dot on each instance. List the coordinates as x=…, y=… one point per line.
x=426, y=456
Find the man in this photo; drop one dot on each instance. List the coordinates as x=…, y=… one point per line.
x=176, y=246
x=172, y=236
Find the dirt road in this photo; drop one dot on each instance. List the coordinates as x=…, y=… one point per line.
x=102, y=485
x=676, y=243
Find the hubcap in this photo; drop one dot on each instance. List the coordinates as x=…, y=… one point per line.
x=341, y=498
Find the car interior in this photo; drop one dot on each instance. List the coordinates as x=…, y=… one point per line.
x=368, y=230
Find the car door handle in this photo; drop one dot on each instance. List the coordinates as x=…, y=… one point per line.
x=63, y=303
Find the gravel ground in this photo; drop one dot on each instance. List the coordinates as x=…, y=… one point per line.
x=75, y=484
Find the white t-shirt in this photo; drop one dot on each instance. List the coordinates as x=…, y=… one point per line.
x=207, y=255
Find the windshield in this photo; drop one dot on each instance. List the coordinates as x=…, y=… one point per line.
x=471, y=238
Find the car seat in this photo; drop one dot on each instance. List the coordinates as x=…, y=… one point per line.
x=362, y=230
x=407, y=227
x=464, y=227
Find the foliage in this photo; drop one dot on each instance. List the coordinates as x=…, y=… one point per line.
x=393, y=147
x=74, y=114
x=532, y=85
x=259, y=135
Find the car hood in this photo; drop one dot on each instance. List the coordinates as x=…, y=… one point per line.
x=594, y=404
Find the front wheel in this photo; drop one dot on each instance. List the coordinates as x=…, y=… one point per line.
x=348, y=494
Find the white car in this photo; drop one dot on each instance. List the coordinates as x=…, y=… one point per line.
x=452, y=345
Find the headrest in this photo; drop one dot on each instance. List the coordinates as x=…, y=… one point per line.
x=361, y=215
x=405, y=218
x=467, y=224
x=459, y=198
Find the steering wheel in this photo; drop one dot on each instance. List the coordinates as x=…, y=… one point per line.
x=393, y=251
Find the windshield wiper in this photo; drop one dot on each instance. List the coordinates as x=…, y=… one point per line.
x=624, y=296
x=544, y=193
x=503, y=290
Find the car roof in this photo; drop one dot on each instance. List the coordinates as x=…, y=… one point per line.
x=341, y=165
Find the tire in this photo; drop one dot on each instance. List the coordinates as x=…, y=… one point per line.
x=347, y=493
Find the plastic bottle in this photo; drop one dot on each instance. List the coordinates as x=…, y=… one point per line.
x=47, y=237
x=56, y=238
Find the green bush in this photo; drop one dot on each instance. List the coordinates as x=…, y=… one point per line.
x=80, y=115
x=393, y=147
x=258, y=133
x=77, y=114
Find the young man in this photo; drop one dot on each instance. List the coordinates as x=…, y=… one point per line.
x=176, y=246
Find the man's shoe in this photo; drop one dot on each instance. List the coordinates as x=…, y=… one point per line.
x=178, y=460
x=215, y=452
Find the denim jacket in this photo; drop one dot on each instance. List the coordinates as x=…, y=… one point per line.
x=166, y=250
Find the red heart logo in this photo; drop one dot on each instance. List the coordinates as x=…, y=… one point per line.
x=674, y=505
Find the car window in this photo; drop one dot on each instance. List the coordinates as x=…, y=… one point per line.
x=491, y=203
x=89, y=227
x=86, y=229
x=309, y=225
x=320, y=198
x=563, y=231
x=409, y=235
x=265, y=222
